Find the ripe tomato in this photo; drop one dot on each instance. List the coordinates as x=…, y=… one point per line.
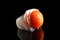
x=36, y=19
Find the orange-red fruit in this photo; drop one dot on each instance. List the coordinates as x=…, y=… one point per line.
x=36, y=19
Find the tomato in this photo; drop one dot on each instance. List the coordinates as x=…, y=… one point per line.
x=36, y=19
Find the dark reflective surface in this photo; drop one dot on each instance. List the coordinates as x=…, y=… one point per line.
x=38, y=35
x=27, y=35
x=24, y=35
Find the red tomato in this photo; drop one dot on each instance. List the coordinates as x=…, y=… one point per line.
x=36, y=19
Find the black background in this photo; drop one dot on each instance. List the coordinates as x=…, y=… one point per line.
x=11, y=10
x=9, y=30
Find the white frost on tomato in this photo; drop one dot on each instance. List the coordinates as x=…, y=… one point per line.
x=22, y=21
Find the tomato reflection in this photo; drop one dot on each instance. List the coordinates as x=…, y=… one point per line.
x=38, y=35
x=27, y=35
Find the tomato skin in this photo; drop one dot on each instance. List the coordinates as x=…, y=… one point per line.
x=36, y=19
